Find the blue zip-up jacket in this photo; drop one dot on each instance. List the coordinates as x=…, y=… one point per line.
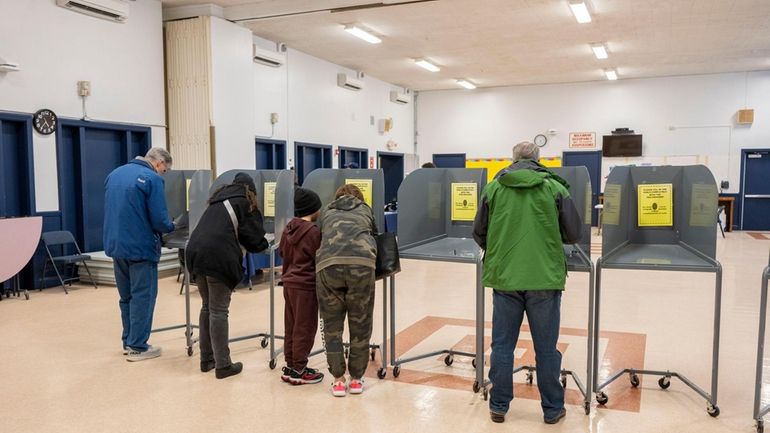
x=135, y=213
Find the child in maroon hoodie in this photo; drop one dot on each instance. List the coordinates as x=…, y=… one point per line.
x=299, y=243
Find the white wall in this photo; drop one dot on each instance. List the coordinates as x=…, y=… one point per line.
x=56, y=48
x=232, y=95
x=486, y=123
x=312, y=108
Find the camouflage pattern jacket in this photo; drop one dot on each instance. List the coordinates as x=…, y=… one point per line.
x=347, y=234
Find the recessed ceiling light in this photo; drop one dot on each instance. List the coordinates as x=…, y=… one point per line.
x=424, y=63
x=358, y=32
x=580, y=10
x=467, y=84
x=600, y=51
x=611, y=74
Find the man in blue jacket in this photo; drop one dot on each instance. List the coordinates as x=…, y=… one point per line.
x=135, y=216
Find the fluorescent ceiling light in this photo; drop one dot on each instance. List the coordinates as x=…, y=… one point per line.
x=467, y=84
x=423, y=63
x=611, y=74
x=363, y=34
x=580, y=10
x=600, y=51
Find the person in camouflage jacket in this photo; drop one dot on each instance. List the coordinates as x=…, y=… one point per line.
x=345, y=265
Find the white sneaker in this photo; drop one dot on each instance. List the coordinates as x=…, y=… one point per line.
x=135, y=355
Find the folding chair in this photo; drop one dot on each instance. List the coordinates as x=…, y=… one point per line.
x=63, y=239
x=720, y=211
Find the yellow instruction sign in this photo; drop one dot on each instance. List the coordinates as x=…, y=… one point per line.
x=465, y=201
x=365, y=185
x=269, y=197
x=655, y=207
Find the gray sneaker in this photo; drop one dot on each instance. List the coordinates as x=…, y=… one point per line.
x=135, y=355
x=126, y=349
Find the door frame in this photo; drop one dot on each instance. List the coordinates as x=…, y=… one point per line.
x=403, y=166
x=297, y=145
x=464, y=155
x=354, y=149
x=741, y=186
x=274, y=142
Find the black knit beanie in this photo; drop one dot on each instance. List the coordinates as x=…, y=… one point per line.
x=306, y=202
x=244, y=179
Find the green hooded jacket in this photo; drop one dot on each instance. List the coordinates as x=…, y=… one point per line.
x=525, y=217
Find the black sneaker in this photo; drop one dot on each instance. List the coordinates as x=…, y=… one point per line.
x=285, y=373
x=557, y=418
x=497, y=417
x=306, y=376
x=207, y=366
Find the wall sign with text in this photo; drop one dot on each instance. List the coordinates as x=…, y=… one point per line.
x=582, y=140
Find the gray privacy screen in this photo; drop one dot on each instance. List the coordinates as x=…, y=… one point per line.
x=185, y=205
x=283, y=198
x=325, y=181
x=580, y=191
x=690, y=241
x=424, y=205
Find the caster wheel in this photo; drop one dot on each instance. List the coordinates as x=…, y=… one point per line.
x=760, y=426
x=713, y=410
x=587, y=407
x=602, y=398
x=476, y=386
x=189, y=351
x=473, y=362
x=634, y=380
x=271, y=364
x=449, y=359
x=346, y=353
x=485, y=394
x=530, y=378
x=396, y=371
x=564, y=382
x=26, y=296
x=381, y=373
x=263, y=343
x=372, y=354
x=664, y=382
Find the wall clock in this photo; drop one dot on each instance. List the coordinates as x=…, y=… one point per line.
x=44, y=121
x=541, y=140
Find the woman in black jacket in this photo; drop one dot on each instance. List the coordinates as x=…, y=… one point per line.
x=214, y=255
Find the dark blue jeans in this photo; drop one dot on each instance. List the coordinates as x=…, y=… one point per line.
x=137, y=282
x=542, y=308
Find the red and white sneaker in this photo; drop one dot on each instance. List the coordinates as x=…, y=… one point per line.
x=339, y=389
x=356, y=386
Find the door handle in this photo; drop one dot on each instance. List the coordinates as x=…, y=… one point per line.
x=756, y=196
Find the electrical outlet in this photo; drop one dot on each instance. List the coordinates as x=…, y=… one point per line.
x=84, y=88
x=273, y=118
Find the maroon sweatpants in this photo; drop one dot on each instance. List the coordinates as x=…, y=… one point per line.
x=301, y=324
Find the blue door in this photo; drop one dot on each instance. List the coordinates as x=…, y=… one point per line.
x=350, y=157
x=310, y=156
x=593, y=162
x=392, y=165
x=86, y=153
x=16, y=179
x=449, y=160
x=755, y=189
x=270, y=154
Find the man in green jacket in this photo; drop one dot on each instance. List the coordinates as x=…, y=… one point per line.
x=526, y=214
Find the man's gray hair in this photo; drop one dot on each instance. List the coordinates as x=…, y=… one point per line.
x=526, y=150
x=159, y=154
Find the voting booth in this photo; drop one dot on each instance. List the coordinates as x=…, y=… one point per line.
x=187, y=193
x=759, y=410
x=660, y=219
x=436, y=209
